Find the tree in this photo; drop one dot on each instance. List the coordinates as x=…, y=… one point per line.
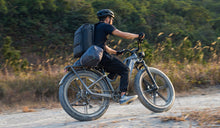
x=3, y=7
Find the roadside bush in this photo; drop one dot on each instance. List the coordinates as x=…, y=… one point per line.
x=12, y=57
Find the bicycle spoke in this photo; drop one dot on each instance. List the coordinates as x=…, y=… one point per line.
x=74, y=103
x=146, y=83
x=163, y=87
x=86, y=109
x=147, y=91
x=162, y=97
x=73, y=89
x=154, y=97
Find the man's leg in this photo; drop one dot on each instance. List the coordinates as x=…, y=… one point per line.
x=115, y=66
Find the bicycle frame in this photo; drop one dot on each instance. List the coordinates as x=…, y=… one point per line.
x=85, y=86
x=129, y=61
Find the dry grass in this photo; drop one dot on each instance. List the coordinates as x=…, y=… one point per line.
x=206, y=118
x=186, y=76
x=37, y=86
x=27, y=109
x=20, y=88
x=173, y=118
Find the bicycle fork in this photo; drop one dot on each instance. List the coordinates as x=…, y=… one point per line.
x=155, y=86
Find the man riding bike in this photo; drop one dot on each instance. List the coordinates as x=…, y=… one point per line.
x=111, y=64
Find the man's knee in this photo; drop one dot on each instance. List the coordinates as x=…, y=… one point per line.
x=125, y=71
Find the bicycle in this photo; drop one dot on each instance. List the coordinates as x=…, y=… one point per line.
x=85, y=92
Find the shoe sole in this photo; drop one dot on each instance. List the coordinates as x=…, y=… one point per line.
x=130, y=101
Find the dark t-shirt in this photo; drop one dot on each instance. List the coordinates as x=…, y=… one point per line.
x=102, y=30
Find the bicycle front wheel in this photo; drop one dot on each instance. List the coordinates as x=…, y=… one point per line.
x=77, y=102
x=156, y=100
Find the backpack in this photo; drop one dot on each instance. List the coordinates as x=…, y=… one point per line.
x=83, y=39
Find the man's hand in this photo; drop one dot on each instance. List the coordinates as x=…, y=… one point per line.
x=120, y=52
x=141, y=36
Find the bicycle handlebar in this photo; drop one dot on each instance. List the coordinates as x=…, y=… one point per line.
x=131, y=51
x=136, y=49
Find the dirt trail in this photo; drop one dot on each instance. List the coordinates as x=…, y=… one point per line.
x=134, y=115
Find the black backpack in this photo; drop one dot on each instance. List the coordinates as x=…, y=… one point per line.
x=83, y=39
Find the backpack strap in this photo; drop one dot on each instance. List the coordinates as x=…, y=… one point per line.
x=94, y=29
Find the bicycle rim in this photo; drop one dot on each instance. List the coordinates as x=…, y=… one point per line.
x=79, y=99
x=158, y=98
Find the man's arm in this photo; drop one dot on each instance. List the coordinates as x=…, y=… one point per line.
x=125, y=35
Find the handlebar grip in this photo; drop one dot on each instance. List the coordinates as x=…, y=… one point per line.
x=141, y=36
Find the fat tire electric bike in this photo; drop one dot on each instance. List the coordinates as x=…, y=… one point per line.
x=85, y=92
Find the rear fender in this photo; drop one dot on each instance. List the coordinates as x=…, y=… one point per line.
x=64, y=77
x=94, y=71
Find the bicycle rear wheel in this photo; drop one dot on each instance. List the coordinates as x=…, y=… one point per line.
x=156, y=100
x=77, y=102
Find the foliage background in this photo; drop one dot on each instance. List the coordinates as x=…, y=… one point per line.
x=42, y=29
x=36, y=37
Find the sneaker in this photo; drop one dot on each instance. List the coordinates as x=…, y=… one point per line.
x=127, y=99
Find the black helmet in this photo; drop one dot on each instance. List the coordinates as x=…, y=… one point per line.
x=105, y=12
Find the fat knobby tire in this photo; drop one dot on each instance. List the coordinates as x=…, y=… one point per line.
x=66, y=105
x=145, y=101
